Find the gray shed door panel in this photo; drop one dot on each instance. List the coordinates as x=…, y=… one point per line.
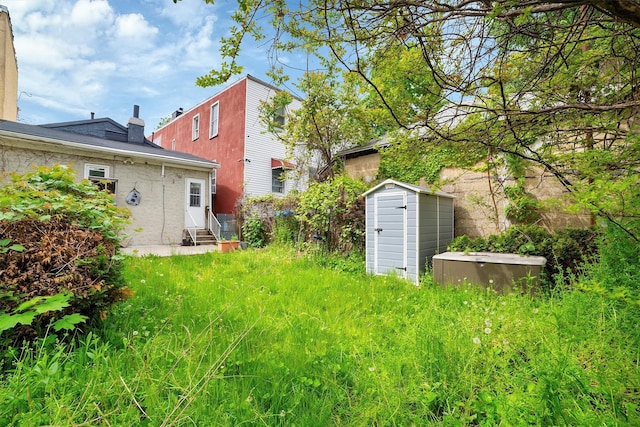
x=390, y=234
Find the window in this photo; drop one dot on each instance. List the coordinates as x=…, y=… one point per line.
x=96, y=171
x=213, y=182
x=195, y=194
x=173, y=144
x=213, y=123
x=279, y=117
x=99, y=175
x=277, y=180
x=195, y=128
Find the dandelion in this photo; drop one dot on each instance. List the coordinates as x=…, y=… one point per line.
x=135, y=333
x=465, y=302
x=487, y=322
x=535, y=311
x=476, y=340
x=146, y=333
x=504, y=303
x=143, y=281
x=371, y=368
x=491, y=281
x=487, y=331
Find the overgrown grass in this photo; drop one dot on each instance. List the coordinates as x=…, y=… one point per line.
x=267, y=337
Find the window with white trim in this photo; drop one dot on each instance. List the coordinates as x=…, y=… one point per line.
x=213, y=122
x=277, y=180
x=213, y=181
x=100, y=176
x=195, y=127
x=279, y=118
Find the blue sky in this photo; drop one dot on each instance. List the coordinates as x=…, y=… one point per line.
x=81, y=56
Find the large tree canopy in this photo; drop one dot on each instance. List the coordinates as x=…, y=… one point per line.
x=555, y=83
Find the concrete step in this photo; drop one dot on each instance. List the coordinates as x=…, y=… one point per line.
x=204, y=237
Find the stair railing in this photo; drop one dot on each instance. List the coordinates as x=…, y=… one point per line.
x=192, y=230
x=214, y=226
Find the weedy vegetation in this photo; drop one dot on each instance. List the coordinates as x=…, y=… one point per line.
x=273, y=337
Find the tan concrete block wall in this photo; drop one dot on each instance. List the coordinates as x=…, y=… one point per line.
x=159, y=218
x=480, y=203
x=364, y=167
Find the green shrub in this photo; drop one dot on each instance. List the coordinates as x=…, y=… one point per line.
x=253, y=231
x=70, y=233
x=268, y=219
x=333, y=211
x=617, y=273
x=285, y=228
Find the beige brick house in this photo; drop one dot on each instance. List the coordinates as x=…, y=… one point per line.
x=166, y=191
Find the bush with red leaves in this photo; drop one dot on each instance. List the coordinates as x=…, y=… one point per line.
x=69, y=232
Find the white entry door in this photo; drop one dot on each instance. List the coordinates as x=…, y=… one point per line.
x=195, y=203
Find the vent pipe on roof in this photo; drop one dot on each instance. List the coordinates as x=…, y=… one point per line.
x=93, y=115
x=136, y=111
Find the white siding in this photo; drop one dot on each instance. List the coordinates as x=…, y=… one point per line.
x=260, y=146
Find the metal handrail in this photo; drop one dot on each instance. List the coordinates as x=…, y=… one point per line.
x=192, y=230
x=214, y=226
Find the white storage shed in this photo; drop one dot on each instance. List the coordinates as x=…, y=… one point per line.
x=406, y=225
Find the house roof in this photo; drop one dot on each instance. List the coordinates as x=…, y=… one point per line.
x=416, y=188
x=94, y=144
x=101, y=128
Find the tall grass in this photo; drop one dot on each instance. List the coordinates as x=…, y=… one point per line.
x=268, y=337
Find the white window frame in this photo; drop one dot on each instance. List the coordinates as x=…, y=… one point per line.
x=195, y=127
x=103, y=182
x=213, y=181
x=88, y=167
x=214, y=119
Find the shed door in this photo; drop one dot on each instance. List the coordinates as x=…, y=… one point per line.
x=390, y=233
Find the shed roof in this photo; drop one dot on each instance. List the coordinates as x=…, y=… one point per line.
x=415, y=188
x=101, y=145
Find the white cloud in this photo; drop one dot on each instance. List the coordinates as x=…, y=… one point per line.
x=91, y=13
x=78, y=56
x=134, y=32
x=187, y=14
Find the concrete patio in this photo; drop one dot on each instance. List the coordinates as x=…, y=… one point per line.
x=168, y=250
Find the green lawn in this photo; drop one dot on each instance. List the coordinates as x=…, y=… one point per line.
x=268, y=337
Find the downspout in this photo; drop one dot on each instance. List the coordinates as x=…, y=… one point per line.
x=438, y=224
x=163, y=207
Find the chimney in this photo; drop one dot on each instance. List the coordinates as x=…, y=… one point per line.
x=93, y=115
x=177, y=113
x=135, y=131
